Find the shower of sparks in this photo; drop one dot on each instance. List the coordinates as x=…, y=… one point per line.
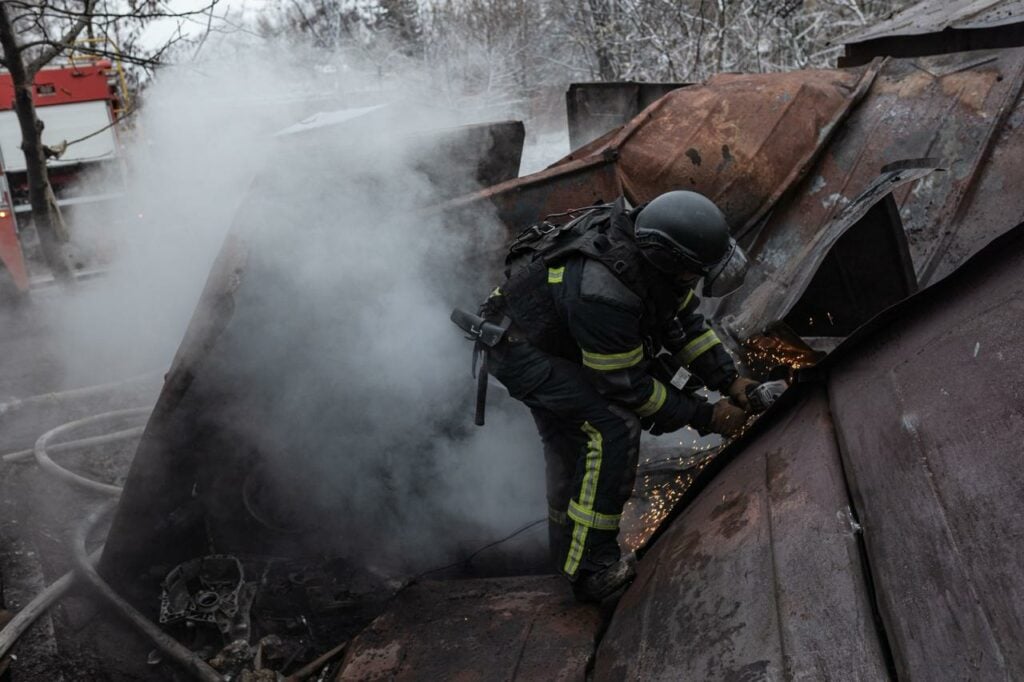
x=768, y=352
x=660, y=497
x=659, y=492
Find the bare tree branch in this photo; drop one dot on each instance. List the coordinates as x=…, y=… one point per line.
x=55, y=48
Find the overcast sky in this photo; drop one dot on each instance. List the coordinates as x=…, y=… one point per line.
x=159, y=32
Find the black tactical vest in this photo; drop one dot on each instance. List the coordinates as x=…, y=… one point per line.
x=603, y=233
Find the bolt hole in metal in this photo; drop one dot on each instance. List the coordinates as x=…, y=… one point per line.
x=207, y=600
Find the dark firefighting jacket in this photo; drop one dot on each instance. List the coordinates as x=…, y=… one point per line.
x=614, y=331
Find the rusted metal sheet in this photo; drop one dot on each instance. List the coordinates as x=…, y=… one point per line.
x=930, y=412
x=964, y=117
x=739, y=139
x=722, y=139
x=939, y=27
x=507, y=629
x=964, y=110
x=523, y=202
x=760, y=577
x=931, y=455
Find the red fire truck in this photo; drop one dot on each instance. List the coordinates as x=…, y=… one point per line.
x=80, y=98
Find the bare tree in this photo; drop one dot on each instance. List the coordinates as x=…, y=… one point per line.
x=32, y=35
x=515, y=49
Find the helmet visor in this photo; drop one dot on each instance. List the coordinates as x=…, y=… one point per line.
x=726, y=276
x=667, y=258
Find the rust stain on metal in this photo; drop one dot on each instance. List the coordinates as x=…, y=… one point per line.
x=526, y=628
x=757, y=579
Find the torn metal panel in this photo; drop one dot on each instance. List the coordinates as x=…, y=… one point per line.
x=929, y=411
x=937, y=27
x=491, y=152
x=868, y=270
x=593, y=109
x=962, y=119
x=783, y=267
x=913, y=114
x=759, y=578
x=507, y=628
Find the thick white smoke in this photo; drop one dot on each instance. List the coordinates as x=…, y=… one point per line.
x=340, y=375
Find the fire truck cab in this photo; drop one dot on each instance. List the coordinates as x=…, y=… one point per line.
x=80, y=102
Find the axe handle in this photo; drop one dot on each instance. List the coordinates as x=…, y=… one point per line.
x=481, y=389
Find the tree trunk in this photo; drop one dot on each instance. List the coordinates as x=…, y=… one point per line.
x=46, y=215
x=720, y=47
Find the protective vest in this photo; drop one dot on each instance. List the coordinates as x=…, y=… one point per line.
x=603, y=233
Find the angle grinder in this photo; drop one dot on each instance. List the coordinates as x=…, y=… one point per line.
x=763, y=396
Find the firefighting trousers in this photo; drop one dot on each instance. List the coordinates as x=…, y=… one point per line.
x=590, y=451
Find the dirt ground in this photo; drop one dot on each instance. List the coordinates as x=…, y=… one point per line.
x=78, y=639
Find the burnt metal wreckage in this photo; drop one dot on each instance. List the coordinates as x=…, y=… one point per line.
x=867, y=526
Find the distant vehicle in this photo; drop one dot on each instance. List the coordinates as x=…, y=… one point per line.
x=79, y=101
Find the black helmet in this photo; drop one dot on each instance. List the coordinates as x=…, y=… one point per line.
x=684, y=232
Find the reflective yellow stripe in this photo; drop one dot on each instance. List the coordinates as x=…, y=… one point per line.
x=588, y=491
x=655, y=401
x=700, y=345
x=496, y=292
x=555, y=275
x=613, y=361
x=593, y=519
x=686, y=301
x=558, y=517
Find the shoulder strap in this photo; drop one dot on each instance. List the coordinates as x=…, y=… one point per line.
x=549, y=241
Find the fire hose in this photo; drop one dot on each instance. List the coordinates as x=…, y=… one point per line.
x=84, y=569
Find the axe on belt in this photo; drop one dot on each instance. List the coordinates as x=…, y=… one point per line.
x=485, y=335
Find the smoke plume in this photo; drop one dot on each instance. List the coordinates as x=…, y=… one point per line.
x=339, y=393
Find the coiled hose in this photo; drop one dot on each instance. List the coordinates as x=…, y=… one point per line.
x=84, y=568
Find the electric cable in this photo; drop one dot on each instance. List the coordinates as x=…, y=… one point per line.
x=469, y=558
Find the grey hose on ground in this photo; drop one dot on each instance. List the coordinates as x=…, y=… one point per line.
x=51, y=467
x=91, y=441
x=181, y=655
x=83, y=392
x=84, y=562
x=42, y=601
x=24, y=618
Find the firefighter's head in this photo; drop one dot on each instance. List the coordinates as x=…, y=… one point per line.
x=685, y=236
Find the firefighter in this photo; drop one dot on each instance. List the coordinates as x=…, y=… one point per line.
x=588, y=306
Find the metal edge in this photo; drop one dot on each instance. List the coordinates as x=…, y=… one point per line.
x=998, y=248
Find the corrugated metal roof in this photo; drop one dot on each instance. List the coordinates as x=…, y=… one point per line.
x=906, y=439
x=933, y=16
